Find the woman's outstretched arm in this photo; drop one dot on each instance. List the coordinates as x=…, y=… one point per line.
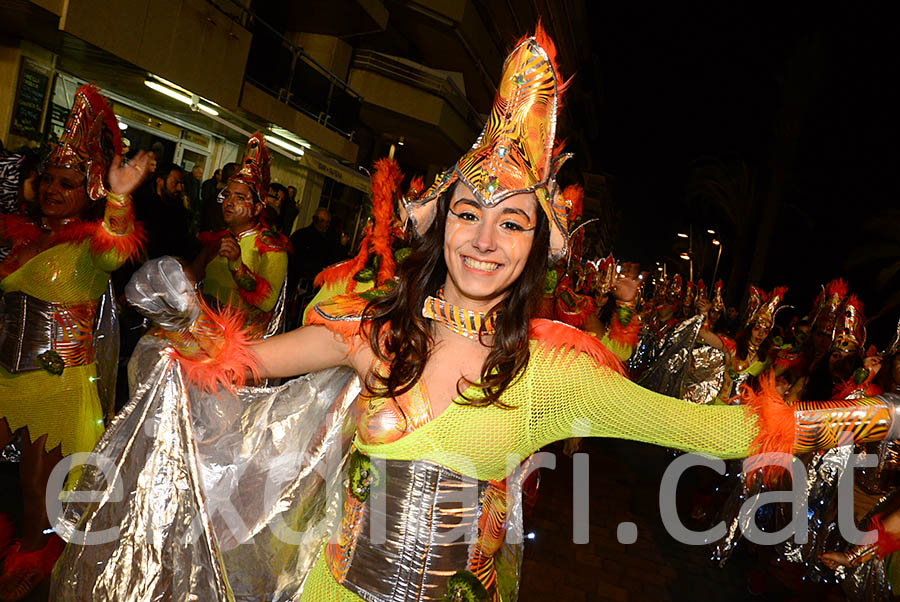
x=306, y=349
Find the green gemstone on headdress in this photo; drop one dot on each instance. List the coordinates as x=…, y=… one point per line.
x=520, y=79
x=501, y=151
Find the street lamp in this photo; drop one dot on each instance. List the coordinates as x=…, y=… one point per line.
x=717, y=243
x=682, y=235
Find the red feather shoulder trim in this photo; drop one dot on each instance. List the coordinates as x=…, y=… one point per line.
x=562, y=338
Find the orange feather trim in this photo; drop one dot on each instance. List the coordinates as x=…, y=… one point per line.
x=209, y=237
x=20, y=229
x=886, y=543
x=416, y=188
x=777, y=426
x=575, y=194
x=98, y=102
x=625, y=335
x=352, y=332
x=846, y=388
x=338, y=272
x=228, y=356
x=271, y=241
x=385, y=179
x=128, y=246
x=561, y=338
x=259, y=293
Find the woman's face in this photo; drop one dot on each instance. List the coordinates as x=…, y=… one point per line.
x=486, y=248
x=61, y=192
x=821, y=340
x=758, y=335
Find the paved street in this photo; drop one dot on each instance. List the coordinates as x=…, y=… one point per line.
x=624, y=485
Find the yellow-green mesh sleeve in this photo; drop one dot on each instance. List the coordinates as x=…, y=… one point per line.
x=572, y=396
x=620, y=350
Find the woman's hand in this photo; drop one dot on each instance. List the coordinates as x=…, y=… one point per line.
x=627, y=283
x=125, y=178
x=835, y=559
x=873, y=365
x=703, y=305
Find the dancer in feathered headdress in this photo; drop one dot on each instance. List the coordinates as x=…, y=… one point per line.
x=383, y=245
x=53, y=282
x=748, y=354
x=245, y=265
x=438, y=383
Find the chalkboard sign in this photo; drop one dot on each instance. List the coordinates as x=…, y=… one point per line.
x=34, y=82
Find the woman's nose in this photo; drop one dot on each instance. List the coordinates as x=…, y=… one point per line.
x=485, y=238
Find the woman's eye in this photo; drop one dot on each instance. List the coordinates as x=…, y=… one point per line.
x=467, y=216
x=512, y=226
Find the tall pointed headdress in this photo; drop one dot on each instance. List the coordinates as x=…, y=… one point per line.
x=89, y=140
x=827, y=304
x=850, y=326
x=517, y=150
x=894, y=347
x=765, y=315
x=701, y=292
x=673, y=292
x=687, y=301
x=254, y=170
x=718, y=302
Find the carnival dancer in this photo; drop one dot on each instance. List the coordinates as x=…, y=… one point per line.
x=843, y=371
x=871, y=571
x=62, y=254
x=245, y=265
x=383, y=243
x=747, y=356
x=458, y=385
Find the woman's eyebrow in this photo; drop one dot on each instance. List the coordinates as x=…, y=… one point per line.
x=471, y=202
x=516, y=210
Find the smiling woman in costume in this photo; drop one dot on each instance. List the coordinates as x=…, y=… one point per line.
x=59, y=266
x=459, y=384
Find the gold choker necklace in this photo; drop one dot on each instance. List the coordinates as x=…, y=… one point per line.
x=466, y=322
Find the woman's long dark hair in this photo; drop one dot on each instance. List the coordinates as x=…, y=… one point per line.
x=743, y=344
x=402, y=338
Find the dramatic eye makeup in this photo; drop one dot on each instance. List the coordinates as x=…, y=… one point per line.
x=511, y=218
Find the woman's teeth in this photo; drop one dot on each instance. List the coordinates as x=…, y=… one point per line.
x=484, y=266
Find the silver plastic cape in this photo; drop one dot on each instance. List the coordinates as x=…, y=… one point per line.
x=214, y=497
x=664, y=365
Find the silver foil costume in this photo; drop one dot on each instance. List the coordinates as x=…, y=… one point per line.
x=232, y=496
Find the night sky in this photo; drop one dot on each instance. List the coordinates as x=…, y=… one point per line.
x=807, y=97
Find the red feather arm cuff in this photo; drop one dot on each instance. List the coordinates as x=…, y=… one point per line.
x=625, y=326
x=118, y=230
x=253, y=288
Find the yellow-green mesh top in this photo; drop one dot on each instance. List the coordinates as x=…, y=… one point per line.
x=65, y=273
x=558, y=397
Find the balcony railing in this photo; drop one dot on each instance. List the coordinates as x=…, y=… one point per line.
x=284, y=70
x=444, y=87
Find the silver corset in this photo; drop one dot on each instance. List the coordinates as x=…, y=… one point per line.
x=30, y=328
x=414, y=534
